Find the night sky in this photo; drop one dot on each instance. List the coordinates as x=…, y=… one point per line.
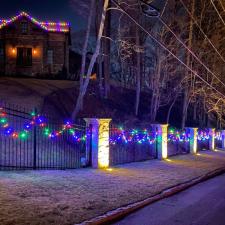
x=54, y=10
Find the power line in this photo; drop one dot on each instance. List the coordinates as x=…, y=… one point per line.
x=222, y=5
x=218, y=12
x=189, y=50
x=165, y=48
x=205, y=35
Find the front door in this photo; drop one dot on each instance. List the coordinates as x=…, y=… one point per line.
x=24, y=57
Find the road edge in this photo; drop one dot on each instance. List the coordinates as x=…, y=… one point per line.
x=121, y=212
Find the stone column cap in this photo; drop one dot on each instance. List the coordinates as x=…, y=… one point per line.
x=97, y=120
x=160, y=124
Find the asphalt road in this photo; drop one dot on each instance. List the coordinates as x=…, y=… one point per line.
x=203, y=204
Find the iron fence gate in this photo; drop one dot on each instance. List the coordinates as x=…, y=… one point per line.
x=43, y=147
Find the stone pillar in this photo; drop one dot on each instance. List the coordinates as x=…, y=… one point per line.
x=212, y=139
x=223, y=138
x=100, y=142
x=161, y=141
x=193, y=135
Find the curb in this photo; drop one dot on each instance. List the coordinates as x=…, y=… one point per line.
x=117, y=214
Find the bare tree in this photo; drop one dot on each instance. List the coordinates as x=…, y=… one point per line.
x=84, y=51
x=83, y=89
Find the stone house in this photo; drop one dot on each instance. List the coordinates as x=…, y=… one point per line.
x=33, y=48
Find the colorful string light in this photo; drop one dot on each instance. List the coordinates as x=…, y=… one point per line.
x=39, y=121
x=120, y=136
x=178, y=136
x=218, y=136
x=203, y=135
x=48, y=26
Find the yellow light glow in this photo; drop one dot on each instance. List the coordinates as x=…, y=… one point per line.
x=109, y=169
x=13, y=50
x=168, y=160
x=34, y=51
x=195, y=141
x=164, y=141
x=103, y=143
x=212, y=139
x=198, y=154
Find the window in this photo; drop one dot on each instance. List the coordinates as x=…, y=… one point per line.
x=1, y=48
x=24, y=56
x=50, y=57
x=24, y=27
x=1, y=51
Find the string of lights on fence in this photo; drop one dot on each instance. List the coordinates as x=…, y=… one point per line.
x=41, y=122
x=118, y=135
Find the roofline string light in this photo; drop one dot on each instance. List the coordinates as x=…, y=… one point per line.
x=48, y=26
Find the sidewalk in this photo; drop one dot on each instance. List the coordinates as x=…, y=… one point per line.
x=72, y=196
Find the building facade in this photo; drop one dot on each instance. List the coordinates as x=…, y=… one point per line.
x=33, y=48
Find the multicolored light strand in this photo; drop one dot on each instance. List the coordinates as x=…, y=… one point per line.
x=48, y=26
x=178, y=136
x=121, y=136
x=218, y=136
x=39, y=121
x=203, y=135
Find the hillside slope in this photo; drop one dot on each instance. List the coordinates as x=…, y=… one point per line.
x=58, y=97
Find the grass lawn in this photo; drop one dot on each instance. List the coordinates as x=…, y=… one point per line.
x=72, y=196
x=30, y=93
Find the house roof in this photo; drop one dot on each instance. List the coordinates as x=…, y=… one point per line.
x=48, y=26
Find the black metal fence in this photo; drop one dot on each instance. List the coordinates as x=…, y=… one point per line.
x=38, y=150
x=122, y=152
x=178, y=148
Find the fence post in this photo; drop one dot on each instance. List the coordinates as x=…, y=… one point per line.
x=35, y=143
x=161, y=140
x=212, y=139
x=223, y=138
x=88, y=142
x=100, y=142
x=193, y=132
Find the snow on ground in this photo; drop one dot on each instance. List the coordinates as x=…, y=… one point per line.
x=71, y=196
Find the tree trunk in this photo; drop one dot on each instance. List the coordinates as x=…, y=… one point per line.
x=185, y=107
x=84, y=51
x=156, y=90
x=186, y=91
x=107, y=47
x=93, y=60
x=170, y=109
x=138, y=75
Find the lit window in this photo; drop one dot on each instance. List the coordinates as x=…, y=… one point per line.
x=50, y=57
x=24, y=27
